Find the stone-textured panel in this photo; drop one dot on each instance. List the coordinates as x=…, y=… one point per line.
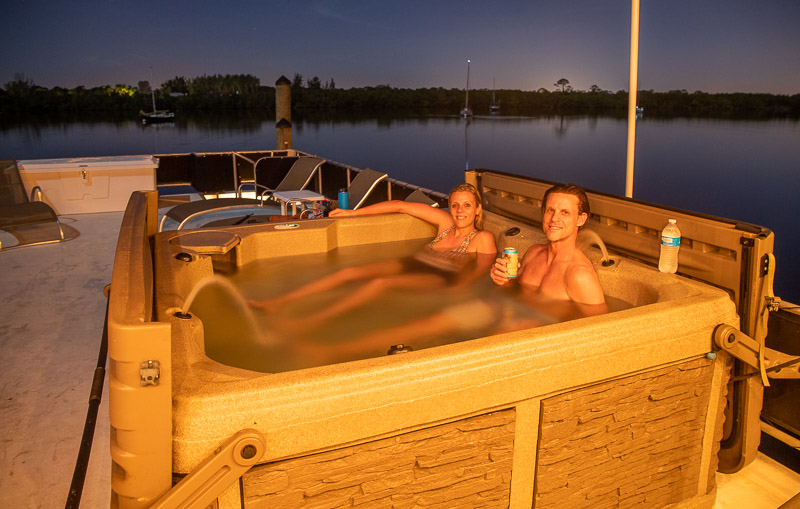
x=465, y=463
x=635, y=441
x=719, y=428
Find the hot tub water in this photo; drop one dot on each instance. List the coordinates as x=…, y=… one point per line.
x=238, y=335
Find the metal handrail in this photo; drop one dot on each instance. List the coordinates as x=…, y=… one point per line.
x=36, y=194
x=236, y=172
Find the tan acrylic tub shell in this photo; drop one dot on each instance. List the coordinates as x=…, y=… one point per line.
x=326, y=407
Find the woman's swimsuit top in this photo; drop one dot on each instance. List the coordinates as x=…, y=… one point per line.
x=460, y=249
x=445, y=261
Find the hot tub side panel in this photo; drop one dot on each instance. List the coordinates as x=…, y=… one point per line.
x=337, y=409
x=636, y=441
x=465, y=463
x=646, y=439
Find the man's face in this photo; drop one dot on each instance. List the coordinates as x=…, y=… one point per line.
x=561, y=218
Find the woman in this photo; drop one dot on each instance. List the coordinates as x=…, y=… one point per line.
x=459, y=241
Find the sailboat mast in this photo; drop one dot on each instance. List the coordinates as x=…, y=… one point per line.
x=152, y=90
x=466, y=103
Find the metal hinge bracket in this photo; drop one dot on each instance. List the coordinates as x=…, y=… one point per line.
x=150, y=372
x=776, y=364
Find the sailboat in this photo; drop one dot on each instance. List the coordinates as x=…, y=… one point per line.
x=466, y=111
x=155, y=116
x=494, y=107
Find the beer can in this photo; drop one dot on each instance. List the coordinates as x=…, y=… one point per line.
x=512, y=261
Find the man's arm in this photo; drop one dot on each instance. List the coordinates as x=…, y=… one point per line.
x=499, y=272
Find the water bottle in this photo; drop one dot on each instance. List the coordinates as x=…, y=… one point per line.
x=670, y=244
x=344, y=199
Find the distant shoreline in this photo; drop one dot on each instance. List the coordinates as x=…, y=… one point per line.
x=243, y=93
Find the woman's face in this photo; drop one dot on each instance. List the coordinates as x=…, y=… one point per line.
x=464, y=208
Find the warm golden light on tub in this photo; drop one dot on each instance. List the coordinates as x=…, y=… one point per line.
x=622, y=408
x=288, y=337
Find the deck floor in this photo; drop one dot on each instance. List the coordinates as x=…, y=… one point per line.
x=51, y=321
x=763, y=484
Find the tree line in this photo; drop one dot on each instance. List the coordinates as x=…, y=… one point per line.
x=221, y=93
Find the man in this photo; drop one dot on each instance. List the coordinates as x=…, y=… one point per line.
x=558, y=272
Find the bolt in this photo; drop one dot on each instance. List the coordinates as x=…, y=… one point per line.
x=248, y=451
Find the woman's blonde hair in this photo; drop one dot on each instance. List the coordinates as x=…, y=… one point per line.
x=469, y=188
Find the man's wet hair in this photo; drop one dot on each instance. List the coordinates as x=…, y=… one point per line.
x=583, y=200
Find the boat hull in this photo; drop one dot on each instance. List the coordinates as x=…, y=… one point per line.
x=158, y=117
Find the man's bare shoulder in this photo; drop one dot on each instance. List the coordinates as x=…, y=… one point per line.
x=582, y=284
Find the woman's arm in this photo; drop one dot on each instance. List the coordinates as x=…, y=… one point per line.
x=433, y=215
x=484, y=243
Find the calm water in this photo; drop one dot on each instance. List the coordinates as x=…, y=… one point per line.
x=744, y=170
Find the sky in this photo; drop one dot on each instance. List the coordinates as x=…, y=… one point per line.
x=715, y=46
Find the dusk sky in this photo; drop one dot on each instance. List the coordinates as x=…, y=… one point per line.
x=708, y=45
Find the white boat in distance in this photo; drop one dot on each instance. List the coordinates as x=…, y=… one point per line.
x=155, y=116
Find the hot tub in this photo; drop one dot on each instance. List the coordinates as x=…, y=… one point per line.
x=623, y=408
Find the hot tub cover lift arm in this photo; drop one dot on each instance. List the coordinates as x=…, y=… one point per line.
x=770, y=363
x=229, y=462
x=753, y=351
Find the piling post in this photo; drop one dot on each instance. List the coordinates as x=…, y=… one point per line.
x=283, y=113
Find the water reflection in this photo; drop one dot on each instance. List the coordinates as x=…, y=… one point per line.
x=467, y=121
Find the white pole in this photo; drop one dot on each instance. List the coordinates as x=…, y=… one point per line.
x=632, y=88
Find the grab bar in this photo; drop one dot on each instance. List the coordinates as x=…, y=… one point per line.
x=36, y=194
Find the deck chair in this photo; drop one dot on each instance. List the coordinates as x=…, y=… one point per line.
x=299, y=177
x=419, y=197
x=300, y=174
x=362, y=186
x=18, y=212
